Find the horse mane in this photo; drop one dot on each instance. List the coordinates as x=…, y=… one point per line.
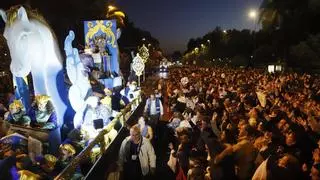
x=33, y=14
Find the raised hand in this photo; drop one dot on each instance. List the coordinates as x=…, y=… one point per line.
x=68, y=43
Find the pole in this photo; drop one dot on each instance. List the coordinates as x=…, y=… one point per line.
x=139, y=81
x=254, y=41
x=144, y=75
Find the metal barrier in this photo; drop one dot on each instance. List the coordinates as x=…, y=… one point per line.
x=85, y=154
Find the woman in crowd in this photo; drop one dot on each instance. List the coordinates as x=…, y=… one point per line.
x=146, y=130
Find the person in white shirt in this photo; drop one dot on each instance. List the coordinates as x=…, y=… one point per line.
x=154, y=110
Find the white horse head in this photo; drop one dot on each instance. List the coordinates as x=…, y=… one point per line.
x=23, y=41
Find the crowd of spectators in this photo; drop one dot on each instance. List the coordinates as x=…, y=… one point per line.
x=243, y=124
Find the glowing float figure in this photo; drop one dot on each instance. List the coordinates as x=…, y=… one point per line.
x=81, y=88
x=104, y=34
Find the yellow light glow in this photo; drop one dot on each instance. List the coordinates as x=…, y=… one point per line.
x=119, y=13
x=110, y=8
x=252, y=14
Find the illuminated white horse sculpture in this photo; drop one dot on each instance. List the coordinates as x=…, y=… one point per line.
x=33, y=48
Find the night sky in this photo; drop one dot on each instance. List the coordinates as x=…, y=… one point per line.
x=174, y=22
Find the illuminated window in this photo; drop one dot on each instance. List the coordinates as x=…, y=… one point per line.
x=278, y=68
x=271, y=68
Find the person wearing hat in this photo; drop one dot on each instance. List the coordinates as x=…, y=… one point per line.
x=67, y=152
x=47, y=166
x=17, y=115
x=25, y=174
x=43, y=114
x=74, y=138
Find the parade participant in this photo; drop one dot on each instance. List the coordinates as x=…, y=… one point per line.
x=106, y=108
x=74, y=138
x=154, y=110
x=47, y=165
x=146, y=130
x=131, y=91
x=137, y=158
x=158, y=95
x=67, y=152
x=17, y=115
x=106, y=101
x=91, y=113
x=43, y=114
x=96, y=57
x=118, y=100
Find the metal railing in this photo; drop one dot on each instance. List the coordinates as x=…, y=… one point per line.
x=99, y=140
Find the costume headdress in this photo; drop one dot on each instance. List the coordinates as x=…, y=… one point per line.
x=25, y=174
x=50, y=160
x=42, y=99
x=69, y=148
x=16, y=104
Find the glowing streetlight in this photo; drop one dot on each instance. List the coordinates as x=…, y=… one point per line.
x=208, y=41
x=225, y=31
x=252, y=14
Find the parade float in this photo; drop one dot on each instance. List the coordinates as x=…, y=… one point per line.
x=34, y=51
x=45, y=105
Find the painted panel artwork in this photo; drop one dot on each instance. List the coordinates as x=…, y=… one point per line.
x=101, y=33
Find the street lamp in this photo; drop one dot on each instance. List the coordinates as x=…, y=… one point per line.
x=253, y=14
x=196, y=50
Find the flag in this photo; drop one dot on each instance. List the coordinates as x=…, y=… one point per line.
x=262, y=98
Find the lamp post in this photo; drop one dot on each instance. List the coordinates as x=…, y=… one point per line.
x=253, y=14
